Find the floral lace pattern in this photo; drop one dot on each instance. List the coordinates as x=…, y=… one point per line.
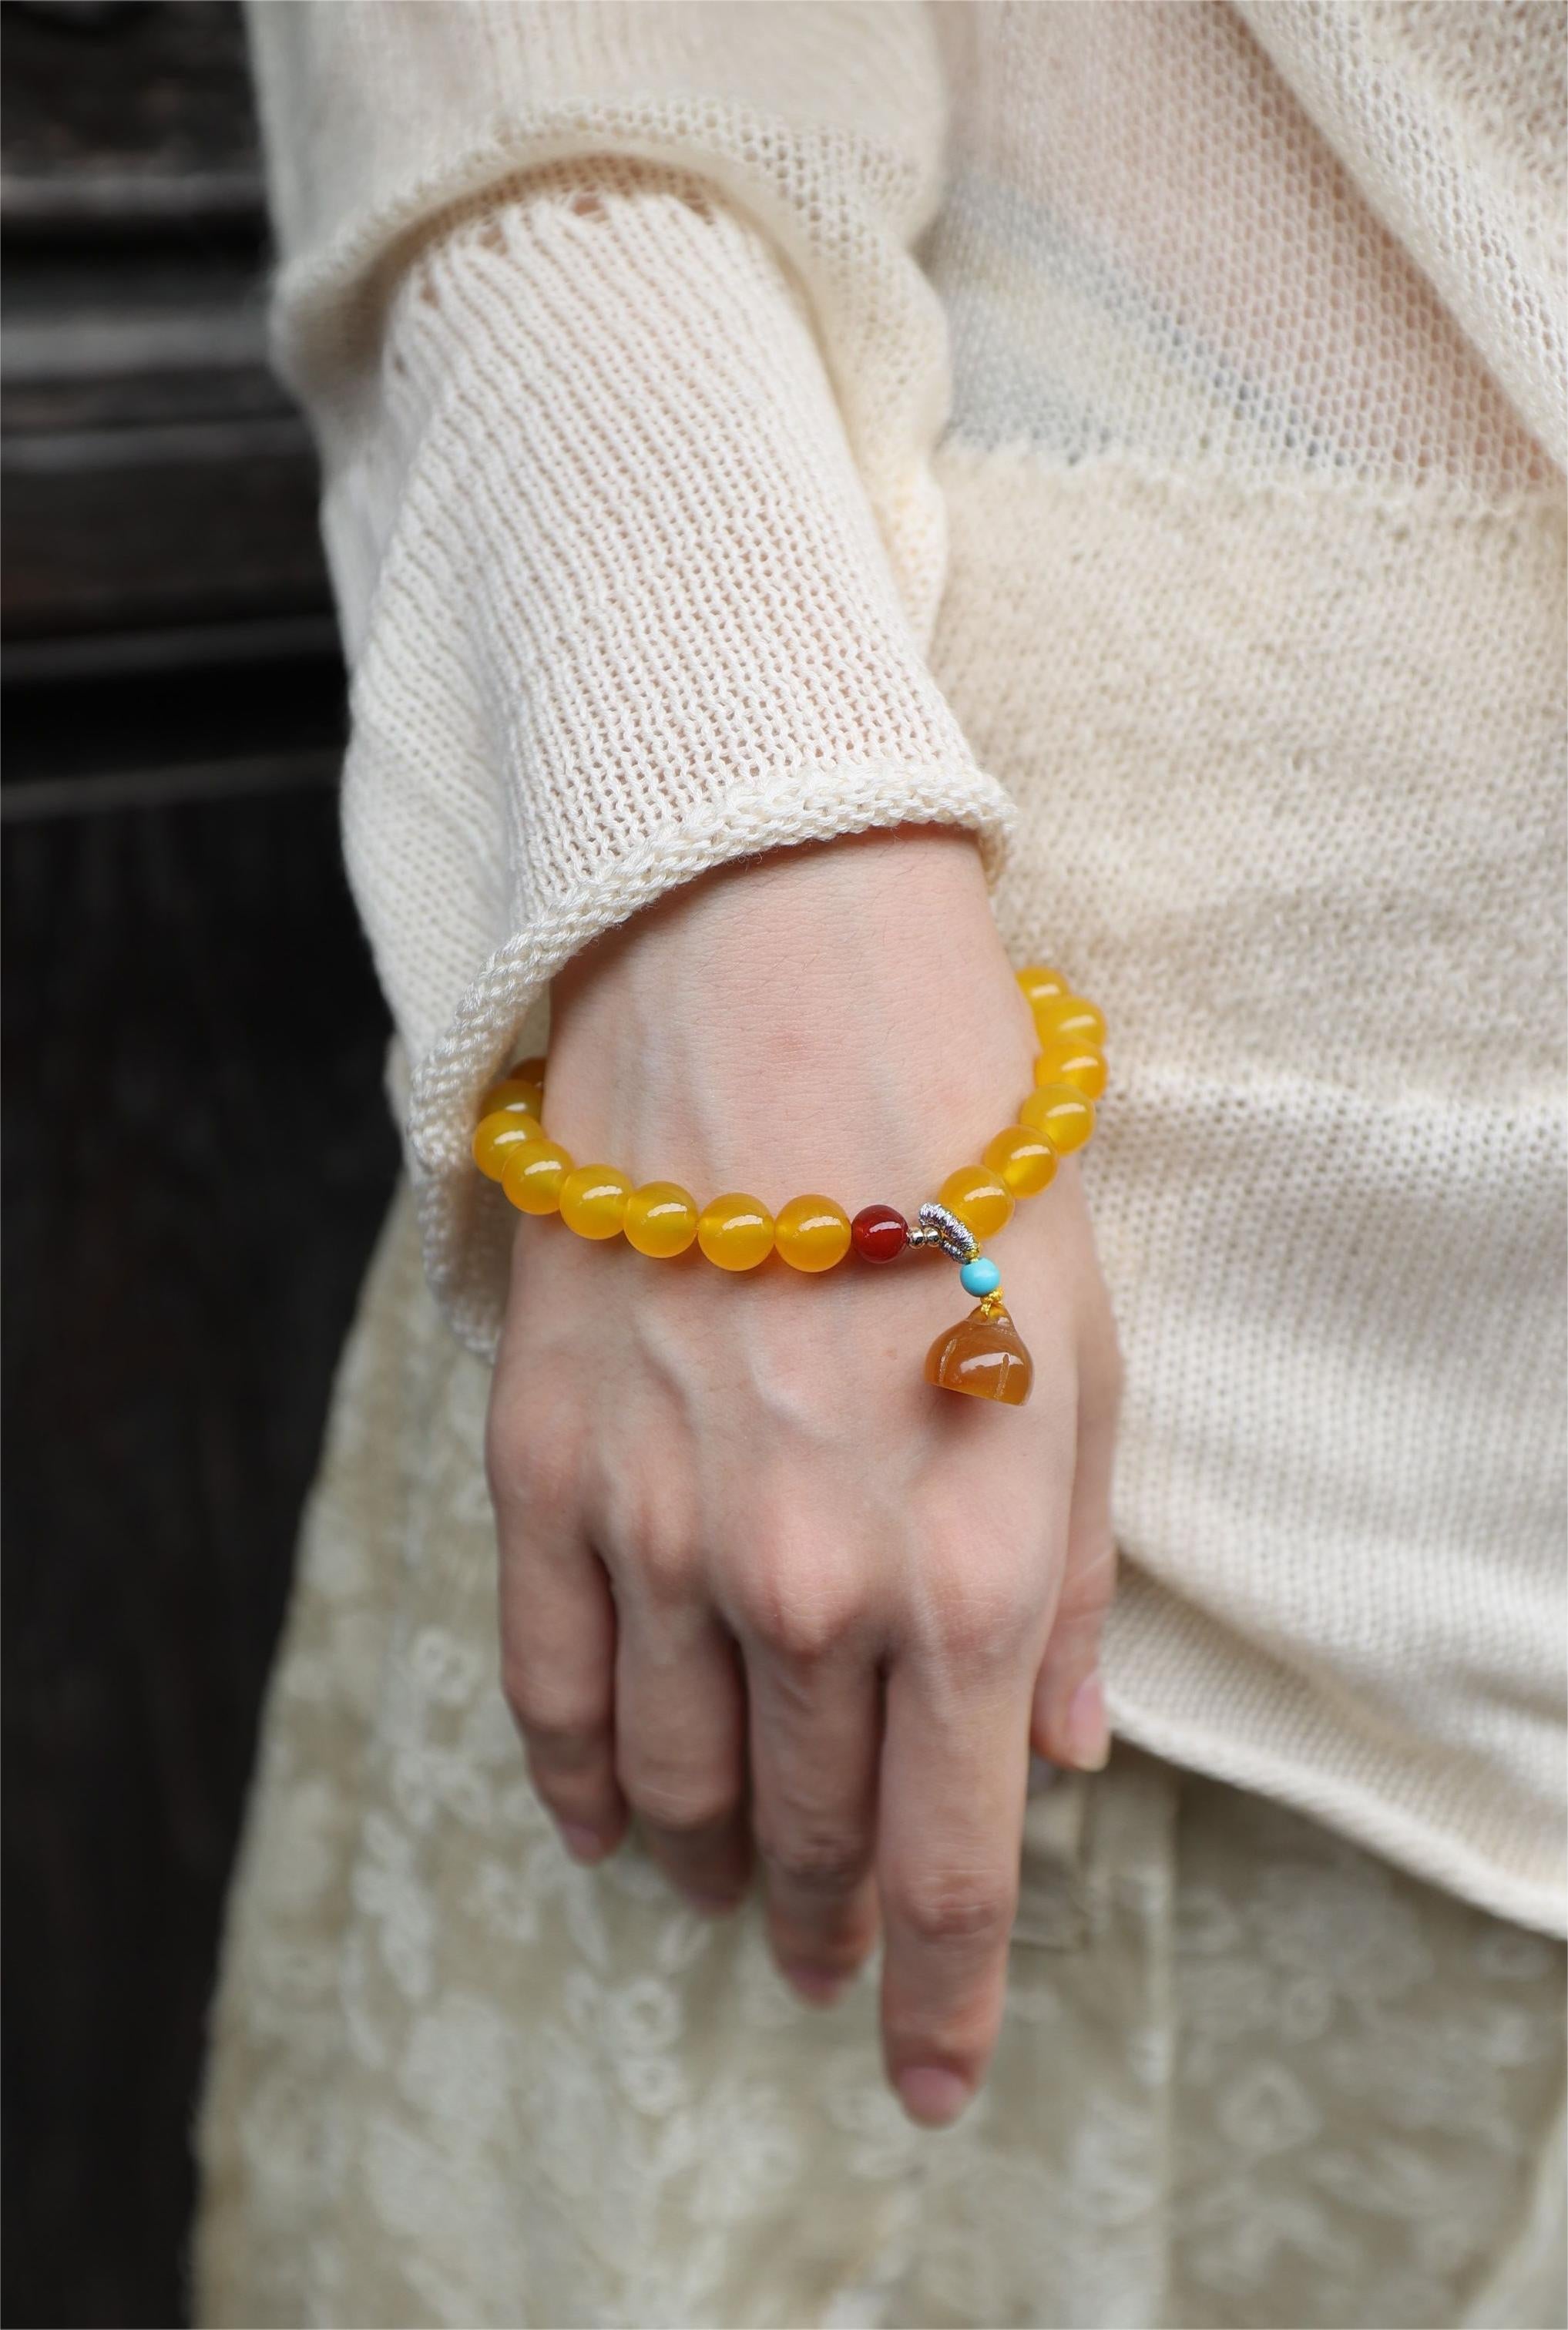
x=1249, y=2074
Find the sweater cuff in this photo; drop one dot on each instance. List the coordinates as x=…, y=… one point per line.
x=466, y=1223
x=631, y=619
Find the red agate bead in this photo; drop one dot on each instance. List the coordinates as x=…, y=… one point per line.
x=880, y=1233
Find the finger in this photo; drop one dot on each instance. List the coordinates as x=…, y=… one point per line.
x=1069, y=1725
x=558, y=1632
x=815, y=1725
x=680, y=1733
x=954, y=1771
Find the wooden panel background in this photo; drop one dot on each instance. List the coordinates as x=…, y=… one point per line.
x=198, y=1150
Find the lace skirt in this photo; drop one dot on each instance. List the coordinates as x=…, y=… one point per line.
x=1249, y=2074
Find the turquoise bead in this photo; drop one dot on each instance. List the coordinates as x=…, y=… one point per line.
x=980, y=1277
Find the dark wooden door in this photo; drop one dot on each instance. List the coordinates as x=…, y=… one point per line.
x=197, y=1151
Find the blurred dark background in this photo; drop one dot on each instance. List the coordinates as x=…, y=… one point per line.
x=197, y=1152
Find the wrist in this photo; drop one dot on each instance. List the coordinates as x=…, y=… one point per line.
x=817, y=1013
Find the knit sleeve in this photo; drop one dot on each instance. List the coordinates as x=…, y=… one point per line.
x=626, y=393
x=1449, y=120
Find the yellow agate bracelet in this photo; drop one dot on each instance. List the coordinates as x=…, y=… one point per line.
x=983, y=1354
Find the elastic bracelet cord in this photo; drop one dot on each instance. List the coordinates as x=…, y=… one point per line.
x=983, y=1354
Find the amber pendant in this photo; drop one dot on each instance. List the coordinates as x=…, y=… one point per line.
x=984, y=1355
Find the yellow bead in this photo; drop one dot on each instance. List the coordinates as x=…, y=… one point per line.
x=1064, y=1116
x=497, y=1135
x=1064, y=1060
x=661, y=1218
x=735, y=1232
x=512, y=1092
x=812, y=1233
x=532, y=1071
x=534, y=1174
x=1023, y=1159
x=1039, y=982
x=1070, y=1015
x=593, y=1200
x=982, y=1203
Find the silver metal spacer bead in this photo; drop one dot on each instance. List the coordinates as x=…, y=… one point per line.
x=940, y=1228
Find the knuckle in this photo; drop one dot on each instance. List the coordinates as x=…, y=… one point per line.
x=799, y=1599
x=815, y=1860
x=684, y=1804
x=517, y=1689
x=667, y=1567
x=645, y=1524
x=979, y=1616
x=947, y=1909
x=528, y=1470
x=560, y=1732
x=564, y=1743
x=564, y=1793
x=803, y=1628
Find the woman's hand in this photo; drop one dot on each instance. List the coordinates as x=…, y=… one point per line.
x=760, y=1581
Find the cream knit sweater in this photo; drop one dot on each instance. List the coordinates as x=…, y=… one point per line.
x=1133, y=431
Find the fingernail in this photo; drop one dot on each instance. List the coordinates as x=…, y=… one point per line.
x=815, y=1983
x=1088, y=1730
x=581, y=1844
x=931, y=2096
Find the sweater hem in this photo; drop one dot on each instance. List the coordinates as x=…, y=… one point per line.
x=1434, y=1855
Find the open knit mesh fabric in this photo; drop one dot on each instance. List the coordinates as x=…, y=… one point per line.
x=670, y=626
x=1151, y=249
